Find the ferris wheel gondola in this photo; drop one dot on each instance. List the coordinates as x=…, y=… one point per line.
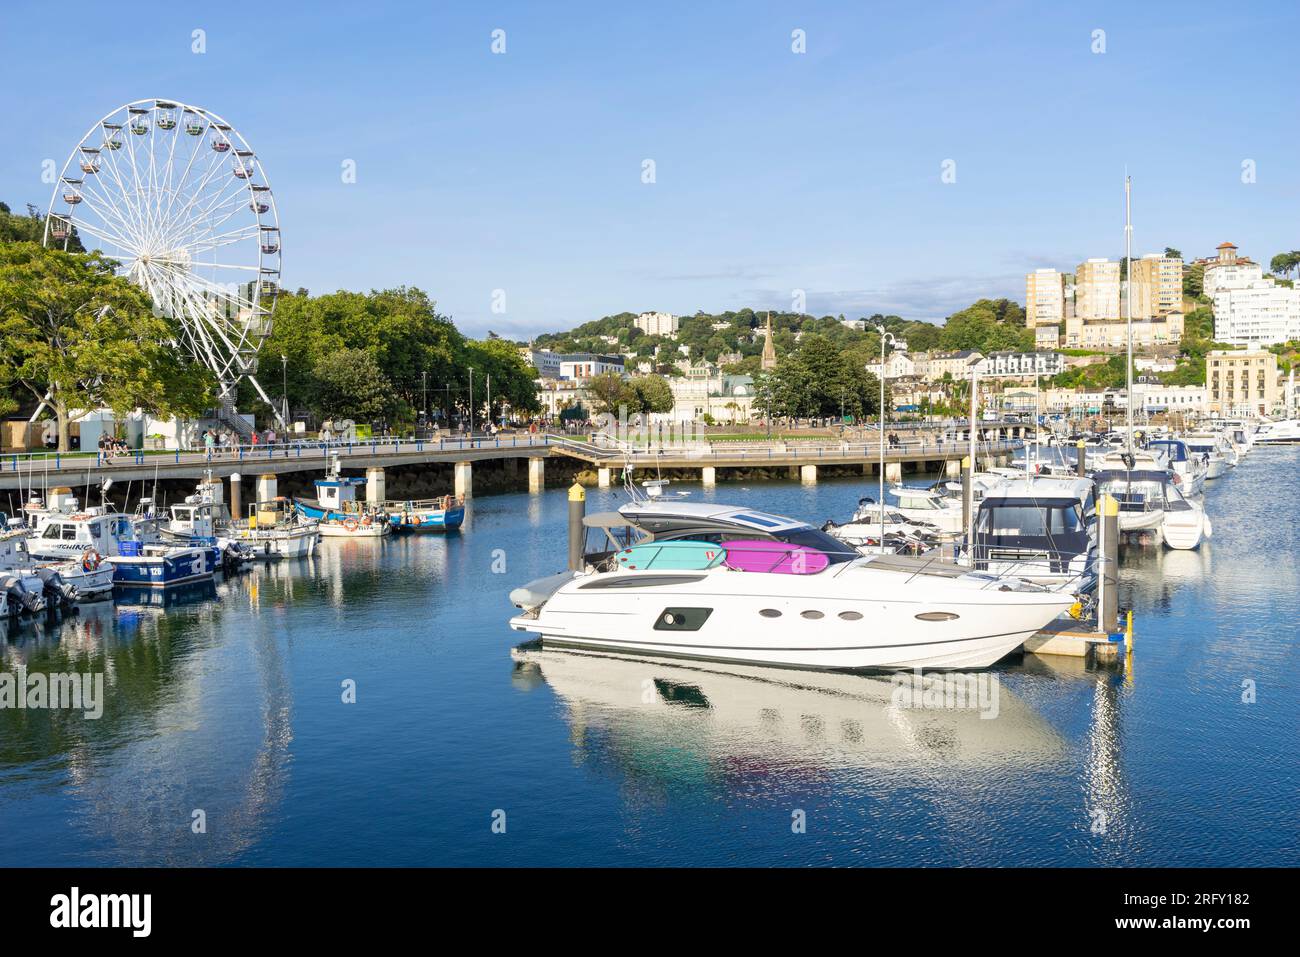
x=183, y=204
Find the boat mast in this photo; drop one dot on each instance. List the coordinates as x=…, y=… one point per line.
x=1128, y=302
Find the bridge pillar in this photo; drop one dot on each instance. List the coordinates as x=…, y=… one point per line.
x=868, y=468
x=893, y=471
x=602, y=477
x=794, y=471
x=267, y=487
x=376, y=490
x=709, y=476
x=236, y=496
x=952, y=469
x=808, y=474
x=464, y=479
x=536, y=475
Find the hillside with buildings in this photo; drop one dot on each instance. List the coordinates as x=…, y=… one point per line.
x=1210, y=335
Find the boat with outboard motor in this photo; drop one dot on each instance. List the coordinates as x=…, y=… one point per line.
x=112, y=537
x=1152, y=501
x=769, y=590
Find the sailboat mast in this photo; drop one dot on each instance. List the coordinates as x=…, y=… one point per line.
x=1128, y=302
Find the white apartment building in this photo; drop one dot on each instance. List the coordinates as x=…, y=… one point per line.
x=1044, y=298
x=1112, y=334
x=586, y=365
x=1249, y=309
x=1096, y=289
x=1016, y=364
x=657, y=324
x=897, y=365
x=1172, y=398
x=1157, y=286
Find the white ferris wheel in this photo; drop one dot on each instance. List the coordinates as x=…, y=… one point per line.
x=176, y=195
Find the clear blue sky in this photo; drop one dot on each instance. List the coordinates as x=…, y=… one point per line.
x=775, y=171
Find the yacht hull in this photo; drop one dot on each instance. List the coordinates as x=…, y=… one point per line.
x=819, y=622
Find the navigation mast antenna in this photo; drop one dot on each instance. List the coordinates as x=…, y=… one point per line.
x=1128, y=302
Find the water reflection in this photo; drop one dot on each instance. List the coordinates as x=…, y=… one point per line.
x=195, y=718
x=688, y=725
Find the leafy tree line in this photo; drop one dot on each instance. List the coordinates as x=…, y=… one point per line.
x=77, y=336
x=386, y=355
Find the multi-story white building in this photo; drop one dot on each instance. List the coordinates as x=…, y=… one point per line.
x=1044, y=298
x=1157, y=286
x=1017, y=364
x=1112, y=334
x=932, y=366
x=1096, y=289
x=1249, y=309
x=898, y=364
x=585, y=365
x=657, y=324
x=1172, y=398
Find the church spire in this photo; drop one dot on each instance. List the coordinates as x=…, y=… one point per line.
x=769, y=351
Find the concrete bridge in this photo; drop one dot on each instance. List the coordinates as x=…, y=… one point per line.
x=802, y=457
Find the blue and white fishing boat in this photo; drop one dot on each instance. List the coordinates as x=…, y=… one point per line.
x=445, y=514
x=111, y=537
x=156, y=565
x=337, y=510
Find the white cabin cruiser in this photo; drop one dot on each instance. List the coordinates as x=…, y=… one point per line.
x=1213, y=450
x=1144, y=494
x=929, y=505
x=274, y=530
x=864, y=530
x=1041, y=529
x=721, y=583
x=1188, y=468
x=83, y=578
x=1279, y=432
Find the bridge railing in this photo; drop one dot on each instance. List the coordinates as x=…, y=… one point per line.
x=262, y=452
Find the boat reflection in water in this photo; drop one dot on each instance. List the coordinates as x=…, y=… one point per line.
x=194, y=718
x=684, y=719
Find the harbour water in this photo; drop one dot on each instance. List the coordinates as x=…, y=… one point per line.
x=231, y=703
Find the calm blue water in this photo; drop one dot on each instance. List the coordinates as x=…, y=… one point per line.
x=233, y=705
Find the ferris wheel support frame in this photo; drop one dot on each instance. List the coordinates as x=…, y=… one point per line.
x=167, y=228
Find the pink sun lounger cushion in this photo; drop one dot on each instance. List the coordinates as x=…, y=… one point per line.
x=761, y=555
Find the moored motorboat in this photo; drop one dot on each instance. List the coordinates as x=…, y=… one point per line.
x=785, y=594
x=443, y=514
x=337, y=511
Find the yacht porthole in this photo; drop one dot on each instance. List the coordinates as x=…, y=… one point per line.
x=770, y=613
x=814, y=615
x=851, y=615
x=937, y=616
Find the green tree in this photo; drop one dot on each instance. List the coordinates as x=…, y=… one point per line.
x=78, y=336
x=608, y=391
x=348, y=383
x=31, y=229
x=651, y=393
x=512, y=379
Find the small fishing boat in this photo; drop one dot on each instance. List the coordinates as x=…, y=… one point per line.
x=275, y=530
x=157, y=565
x=64, y=581
x=338, y=512
x=193, y=522
x=443, y=514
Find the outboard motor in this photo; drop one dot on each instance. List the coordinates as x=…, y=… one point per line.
x=57, y=591
x=25, y=593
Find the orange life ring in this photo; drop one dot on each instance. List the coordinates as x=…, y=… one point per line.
x=350, y=524
x=90, y=560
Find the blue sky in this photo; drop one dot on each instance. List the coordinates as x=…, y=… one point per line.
x=774, y=171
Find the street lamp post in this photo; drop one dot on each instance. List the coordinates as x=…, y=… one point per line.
x=471, y=403
x=284, y=390
x=884, y=337
x=424, y=395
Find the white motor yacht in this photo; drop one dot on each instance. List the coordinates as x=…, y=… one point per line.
x=1190, y=469
x=865, y=529
x=1151, y=500
x=1279, y=432
x=929, y=505
x=1043, y=529
x=722, y=583
x=1211, y=448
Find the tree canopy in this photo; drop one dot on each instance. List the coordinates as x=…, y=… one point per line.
x=78, y=336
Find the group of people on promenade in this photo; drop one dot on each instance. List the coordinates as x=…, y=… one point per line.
x=220, y=440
